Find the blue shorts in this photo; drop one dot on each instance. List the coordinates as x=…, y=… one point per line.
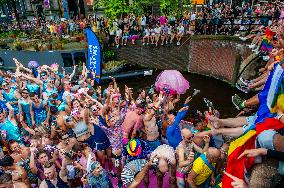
x=265, y=139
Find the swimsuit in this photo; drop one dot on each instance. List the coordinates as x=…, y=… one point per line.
x=40, y=113
x=10, y=97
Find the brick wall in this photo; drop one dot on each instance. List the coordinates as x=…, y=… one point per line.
x=217, y=58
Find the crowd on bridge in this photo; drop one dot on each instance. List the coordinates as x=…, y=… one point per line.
x=220, y=18
x=65, y=130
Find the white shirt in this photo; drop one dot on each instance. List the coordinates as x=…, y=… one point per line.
x=180, y=29
x=157, y=30
x=118, y=32
x=143, y=21
x=147, y=32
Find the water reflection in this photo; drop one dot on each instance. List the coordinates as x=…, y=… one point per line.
x=218, y=92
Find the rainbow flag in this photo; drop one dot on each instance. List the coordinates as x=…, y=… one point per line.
x=270, y=98
x=272, y=93
x=266, y=45
x=239, y=167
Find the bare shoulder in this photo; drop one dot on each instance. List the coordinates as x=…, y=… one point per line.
x=20, y=185
x=43, y=184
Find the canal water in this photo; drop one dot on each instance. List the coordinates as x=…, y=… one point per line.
x=219, y=92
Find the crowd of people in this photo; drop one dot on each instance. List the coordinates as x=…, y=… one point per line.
x=220, y=18
x=64, y=130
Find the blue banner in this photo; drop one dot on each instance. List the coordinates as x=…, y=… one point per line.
x=65, y=9
x=94, y=54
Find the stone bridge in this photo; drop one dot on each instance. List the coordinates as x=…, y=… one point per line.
x=217, y=56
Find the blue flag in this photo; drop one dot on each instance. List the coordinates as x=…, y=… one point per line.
x=94, y=54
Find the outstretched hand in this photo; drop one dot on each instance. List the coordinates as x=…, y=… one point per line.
x=188, y=99
x=237, y=182
x=253, y=153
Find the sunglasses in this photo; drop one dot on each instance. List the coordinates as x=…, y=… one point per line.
x=25, y=93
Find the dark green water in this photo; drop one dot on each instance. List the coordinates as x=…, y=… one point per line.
x=218, y=92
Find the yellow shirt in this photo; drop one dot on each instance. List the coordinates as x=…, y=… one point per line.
x=202, y=170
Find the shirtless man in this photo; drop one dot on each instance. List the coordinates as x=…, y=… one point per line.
x=7, y=182
x=132, y=122
x=185, y=155
x=150, y=124
x=65, y=145
x=18, y=173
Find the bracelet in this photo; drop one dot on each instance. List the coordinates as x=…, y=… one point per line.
x=155, y=108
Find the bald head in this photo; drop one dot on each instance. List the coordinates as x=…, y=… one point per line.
x=186, y=132
x=186, y=135
x=213, y=154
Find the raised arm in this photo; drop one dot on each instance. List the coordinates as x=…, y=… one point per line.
x=11, y=111
x=36, y=80
x=156, y=106
x=73, y=73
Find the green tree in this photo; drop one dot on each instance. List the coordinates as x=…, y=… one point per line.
x=115, y=8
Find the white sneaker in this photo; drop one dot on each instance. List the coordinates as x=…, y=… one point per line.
x=252, y=46
x=143, y=44
x=266, y=58
x=147, y=43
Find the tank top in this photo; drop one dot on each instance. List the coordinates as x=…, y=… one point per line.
x=25, y=106
x=10, y=97
x=12, y=131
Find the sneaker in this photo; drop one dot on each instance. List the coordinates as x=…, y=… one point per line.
x=243, y=38
x=242, y=88
x=266, y=58
x=143, y=44
x=252, y=46
x=147, y=44
x=238, y=102
x=245, y=82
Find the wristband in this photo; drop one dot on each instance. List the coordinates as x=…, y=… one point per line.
x=155, y=108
